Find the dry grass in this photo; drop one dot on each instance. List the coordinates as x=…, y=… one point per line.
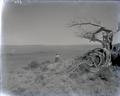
x=45, y=81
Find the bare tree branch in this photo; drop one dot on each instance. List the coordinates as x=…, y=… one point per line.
x=88, y=23
x=79, y=24
x=106, y=33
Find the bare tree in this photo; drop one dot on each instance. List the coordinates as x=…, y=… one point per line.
x=105, y=40
x=106, y=34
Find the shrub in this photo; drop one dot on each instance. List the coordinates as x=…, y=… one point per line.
x=33, y=65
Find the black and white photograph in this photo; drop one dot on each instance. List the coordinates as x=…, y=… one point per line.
x=60, y=48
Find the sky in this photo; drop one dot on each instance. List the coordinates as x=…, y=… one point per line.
x=48, y=23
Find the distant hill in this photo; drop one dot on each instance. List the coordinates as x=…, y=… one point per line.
x=30, y=49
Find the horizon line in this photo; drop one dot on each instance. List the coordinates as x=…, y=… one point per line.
x=47, y=44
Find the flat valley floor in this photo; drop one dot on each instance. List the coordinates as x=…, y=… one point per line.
x=31, y=70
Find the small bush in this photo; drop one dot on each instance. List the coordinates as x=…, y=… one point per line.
x=33, y=65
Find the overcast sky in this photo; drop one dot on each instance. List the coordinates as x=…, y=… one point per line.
x=47, y=23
